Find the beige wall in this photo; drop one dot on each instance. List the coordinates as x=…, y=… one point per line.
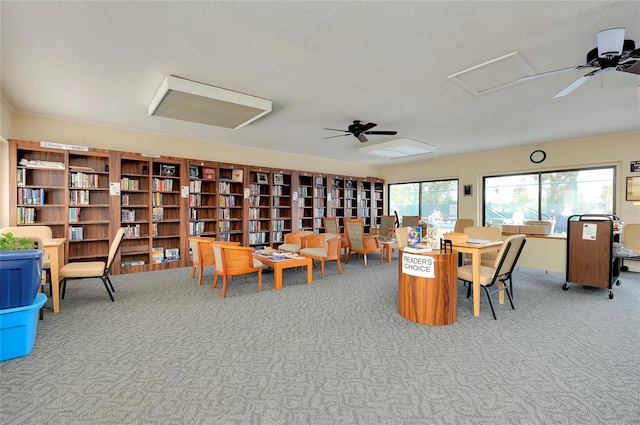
x=37, y=128
x=618, y=149
x=6, y=121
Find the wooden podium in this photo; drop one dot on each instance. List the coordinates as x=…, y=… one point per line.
x=429, y=300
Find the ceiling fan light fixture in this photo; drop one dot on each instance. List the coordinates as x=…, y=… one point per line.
x=610, y=42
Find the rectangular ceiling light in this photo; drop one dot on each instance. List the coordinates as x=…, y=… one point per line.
x=188, y=100
x=495, y=74
x=397, y=148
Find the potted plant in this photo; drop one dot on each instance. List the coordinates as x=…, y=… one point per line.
x=20, y=271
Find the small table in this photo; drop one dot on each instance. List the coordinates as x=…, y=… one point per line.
x=388, y=247
x=476, y=250
x=279, y=265
x=55, y=249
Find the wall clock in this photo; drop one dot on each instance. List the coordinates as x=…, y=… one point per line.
x=538, y=156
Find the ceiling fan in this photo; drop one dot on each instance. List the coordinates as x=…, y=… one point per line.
x=613, y=53
x=359, y=130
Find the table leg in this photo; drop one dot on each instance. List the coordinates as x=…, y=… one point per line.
x=309, y=271
x=387, y=248
x=476, y=259
x=277, y=279
x=55, y=259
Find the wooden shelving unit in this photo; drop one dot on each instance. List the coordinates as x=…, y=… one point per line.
x=231, y=204
x=319, y=201
x=259, y=207
x=281, y=206
x=86, y=194
x=203, y=186
x=305, y=201
x=135, y=211
x=88, y=207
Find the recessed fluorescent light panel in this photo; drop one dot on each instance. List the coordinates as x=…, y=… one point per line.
x=188, y=100
x=397, y=148
x=492, y=75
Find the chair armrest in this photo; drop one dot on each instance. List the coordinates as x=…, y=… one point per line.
x=315, y=240
x=370, y=242
x=333, y=246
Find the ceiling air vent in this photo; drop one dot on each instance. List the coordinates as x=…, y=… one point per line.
x=188, y=100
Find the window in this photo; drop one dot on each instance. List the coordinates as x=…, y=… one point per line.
x=434, y=201
x=553, y=196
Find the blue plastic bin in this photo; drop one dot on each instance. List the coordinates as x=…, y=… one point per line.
x=18, y=329
x=20, y=274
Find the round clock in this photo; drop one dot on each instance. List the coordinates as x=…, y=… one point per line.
x=538, y=156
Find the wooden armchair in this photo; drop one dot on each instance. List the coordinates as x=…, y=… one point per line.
x=322, y=247
x=358, y=242
x=236, y=260
x=410, y=220
x=293, y=240
x=331, y=226
x=202, y=255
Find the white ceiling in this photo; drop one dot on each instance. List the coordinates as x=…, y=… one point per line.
x=324, y=64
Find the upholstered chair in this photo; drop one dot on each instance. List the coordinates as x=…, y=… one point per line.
x=292, y=241
x=322, y=247
x=358, y=241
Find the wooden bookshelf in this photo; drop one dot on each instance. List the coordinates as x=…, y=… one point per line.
x=281, y=206
x=163, y=200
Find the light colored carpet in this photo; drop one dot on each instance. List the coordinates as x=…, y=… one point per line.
x=334, y=352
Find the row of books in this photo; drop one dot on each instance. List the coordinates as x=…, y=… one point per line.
x=74, y=214
x=79, y=197
x=162, y=185
x=132, y=231
x=76, y=233
x=26, y=215
x=196, y=227
x=129, y=184
x=162, y=255
x=227, y=201
x=127, y=215
x=157, y=213
x=258, y=238
x=195, y=186
x=254, y=226
x=28, y=196
x=83, y=180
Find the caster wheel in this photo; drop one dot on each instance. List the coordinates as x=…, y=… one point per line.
x=565, y=286
x=618, y=283
x=610, y=295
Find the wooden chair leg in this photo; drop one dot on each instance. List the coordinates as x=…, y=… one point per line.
x=260, y=280
x=339, y=266
x=215, y=280
x=322, y=268
x=224, y=286
x=365, y=260
x=193, y=271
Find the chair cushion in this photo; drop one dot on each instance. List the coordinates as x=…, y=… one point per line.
x=257, y=263
x=314, y=252
x=289, y=247
x=486, y=274
x=83, y=269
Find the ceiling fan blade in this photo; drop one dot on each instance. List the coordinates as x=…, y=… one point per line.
x=388, y=133
x=336, y=129
x=339, y=135
x=362, y=138
x=367, y=127
x=544, y=74
x=631, y=68
x=577, y=83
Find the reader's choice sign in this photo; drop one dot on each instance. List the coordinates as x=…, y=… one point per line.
x=418, y=265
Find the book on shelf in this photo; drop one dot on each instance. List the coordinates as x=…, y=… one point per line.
x=194, y=172
x=278, y=179
x=208, y=173
x=75, y=233
x=172, y=254
x=237, y=176
x=158, y=213
x=157, y=255
x=132, y=263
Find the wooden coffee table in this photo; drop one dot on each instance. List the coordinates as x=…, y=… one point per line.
x=279, y=265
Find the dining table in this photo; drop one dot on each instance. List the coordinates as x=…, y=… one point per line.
x=476, y=249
